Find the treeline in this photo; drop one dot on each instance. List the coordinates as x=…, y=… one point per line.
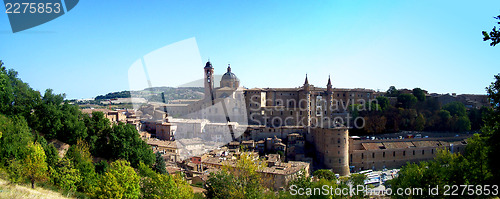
x=155, y=94
x=114, y=95
x=128, y=169
x=415, y=112
x=169, y=93
x=477, y=169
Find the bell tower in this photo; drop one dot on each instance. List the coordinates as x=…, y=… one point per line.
x=209, y=81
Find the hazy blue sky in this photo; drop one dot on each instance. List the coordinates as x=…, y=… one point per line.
x=434, y=45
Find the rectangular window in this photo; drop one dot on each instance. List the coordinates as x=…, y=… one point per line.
x=404, y=153
x=423, y=152
x=362, y=156
x=373, y=155
x=383, y=154
x=394, y=153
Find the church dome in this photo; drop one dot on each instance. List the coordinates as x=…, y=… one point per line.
x=229, y=75
x=229, y=79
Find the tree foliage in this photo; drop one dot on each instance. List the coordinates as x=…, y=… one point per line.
x=493, y=35
x=392, y=92
x=125, y=143
x=407, y=101
x=16, y=136
x=383, y=102
x=66, y=176
x=120, y=181
x=156, y=185
x=491, y=128
x=34, y=166
x=242, y=181
x=160, y=165
x=419, y=94
x=324, y=174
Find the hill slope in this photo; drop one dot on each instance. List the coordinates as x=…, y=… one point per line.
x=17, y=191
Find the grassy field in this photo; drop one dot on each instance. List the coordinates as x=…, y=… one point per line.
x=18, y=191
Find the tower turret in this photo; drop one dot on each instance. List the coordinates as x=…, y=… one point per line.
x=305, y=101
x=329, y=104
x=329, y=85
x=209, y=83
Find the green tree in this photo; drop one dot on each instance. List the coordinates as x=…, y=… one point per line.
x=50, y=151
x=109, y=187
x=357, y=180
x=16, y=136
x=443, y=121
x=34, y=166
x=6, y=92
x=494, y=35
x=66, y=176
x=375, y=123
x=160, y=165
x=166, y=186
x=120, y=181
x=324, y=174
x=125, y=143
x=300, y=181
x=98, y=130
x=420, y=122
x=408, y=119
x=16, y=97
x=476, y=153
x=221, y=185
x=79, y=155
x=383, y=102
x=406, y=100
x=15, y=174
x=491, y=129
x=476, y=117
x=243, y=181
x=446, y=169
x=102, y=166
x=392, y=92
x=320, y=184
x=456, y=108
x=73, y=127
x=419, y=94
x=461, y=124
x=52, y=155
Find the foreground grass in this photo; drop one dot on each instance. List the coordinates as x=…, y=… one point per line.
x=8, y=190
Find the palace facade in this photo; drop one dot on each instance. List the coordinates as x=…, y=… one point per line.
x=319, y=115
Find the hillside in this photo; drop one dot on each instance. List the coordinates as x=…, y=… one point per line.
x=19, y=191
x=154, y=94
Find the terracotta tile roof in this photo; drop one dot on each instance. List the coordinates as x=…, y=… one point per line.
x=398, y=145
x=372, y=146
x=426, y=143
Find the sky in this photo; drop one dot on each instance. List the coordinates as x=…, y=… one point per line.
x=433, y=45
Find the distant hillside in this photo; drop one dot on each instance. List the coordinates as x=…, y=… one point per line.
x=154, y=94
x=113, y=95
